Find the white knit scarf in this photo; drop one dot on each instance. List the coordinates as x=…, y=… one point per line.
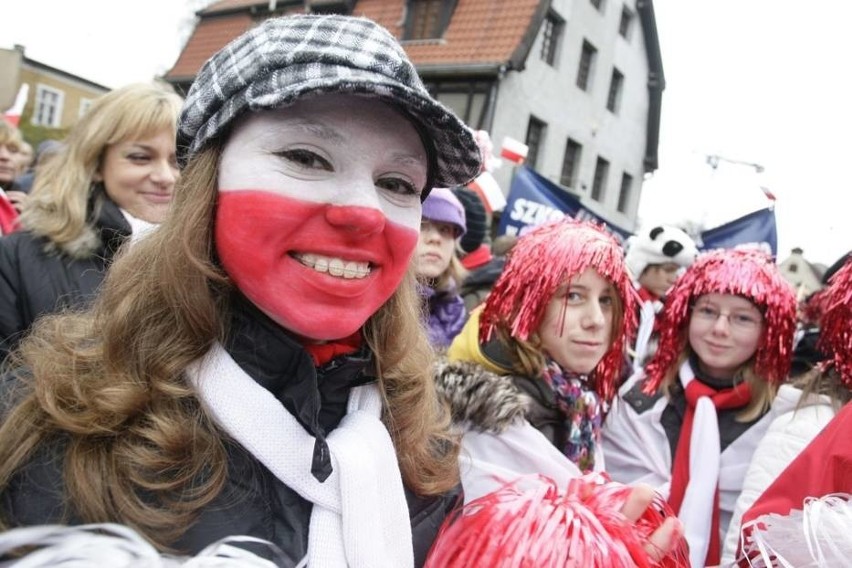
x=360, y=516
x=696, y=510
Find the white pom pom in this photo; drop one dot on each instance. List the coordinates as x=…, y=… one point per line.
x=116, y=546
x=818, y=536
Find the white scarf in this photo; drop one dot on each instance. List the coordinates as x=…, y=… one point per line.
x=696, y=510
x=360, y=516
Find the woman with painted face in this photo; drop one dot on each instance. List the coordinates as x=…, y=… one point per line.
x=111, y=181
x=439, y=270
x=257, y=366
x=689, y=425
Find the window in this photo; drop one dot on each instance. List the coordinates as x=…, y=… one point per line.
x=626, y=22
x=468, y=99
x=535, y=140
x=598, y=4
x=599, y=183
x=615, y=84
x=793, y=267
x=84, y=106
x=587, y=61
x=427, y=19
x=571, y=163
x=48, y=106
x=624, y=194
x=552, y=33
x=329, y=6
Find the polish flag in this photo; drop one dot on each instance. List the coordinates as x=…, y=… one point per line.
x=489, y=192
x=514, y=151
x=13, y=115
x=769, y=195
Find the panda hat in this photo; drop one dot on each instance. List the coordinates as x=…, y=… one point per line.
x=662, y=244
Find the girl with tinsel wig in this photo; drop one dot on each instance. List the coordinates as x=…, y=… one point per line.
x=689, y=424
x=826, y=466
x=529, y=381
x=257, y=366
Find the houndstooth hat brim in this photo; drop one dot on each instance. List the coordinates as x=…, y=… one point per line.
x=285, y=59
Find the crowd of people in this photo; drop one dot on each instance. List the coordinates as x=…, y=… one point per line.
x=274, y=315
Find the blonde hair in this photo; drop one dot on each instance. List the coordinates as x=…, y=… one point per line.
x=112, y=382
x=10, y=136
x=819, y=382
x=58, y=206
x=453, y=276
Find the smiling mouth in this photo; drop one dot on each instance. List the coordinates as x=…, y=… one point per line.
x=347, y=269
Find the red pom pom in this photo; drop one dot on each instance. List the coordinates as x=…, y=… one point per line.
x=530, y=522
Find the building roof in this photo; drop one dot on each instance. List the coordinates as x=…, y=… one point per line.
x=484, y=37
x=32, y=63
x=485, y=33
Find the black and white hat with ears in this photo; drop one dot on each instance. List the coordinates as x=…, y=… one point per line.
x=288, y=58
x=661, y=245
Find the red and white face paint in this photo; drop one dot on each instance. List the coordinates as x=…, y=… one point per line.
x=319, y=210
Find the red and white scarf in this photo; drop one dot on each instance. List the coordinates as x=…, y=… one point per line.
x=694, y=494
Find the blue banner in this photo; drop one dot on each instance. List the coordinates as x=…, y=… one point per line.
x=755, y=229
x=534, y=200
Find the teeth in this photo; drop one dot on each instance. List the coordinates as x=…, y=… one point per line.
x=347, y=269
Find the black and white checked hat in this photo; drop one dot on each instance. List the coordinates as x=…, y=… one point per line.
x=285, y=59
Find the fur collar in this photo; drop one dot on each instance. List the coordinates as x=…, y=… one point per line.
x=483, y=400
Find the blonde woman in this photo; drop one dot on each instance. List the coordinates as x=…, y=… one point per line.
x=690, y=423
x=112, y=179
x=257, y=366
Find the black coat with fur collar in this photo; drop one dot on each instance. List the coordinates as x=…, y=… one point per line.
x=36, y=278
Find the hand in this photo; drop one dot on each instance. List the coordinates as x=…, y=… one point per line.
x=665, y=538
x=17, y=198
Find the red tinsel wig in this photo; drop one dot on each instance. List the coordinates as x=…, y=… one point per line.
x=835, y=330
x=546, y=258
x=750, y=274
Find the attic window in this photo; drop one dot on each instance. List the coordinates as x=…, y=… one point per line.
x=329, y=6
x=428, y=19
x=551, y=36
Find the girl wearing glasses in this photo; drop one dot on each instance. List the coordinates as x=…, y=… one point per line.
x=690, y=423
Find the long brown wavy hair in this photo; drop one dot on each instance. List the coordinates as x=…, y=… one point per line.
x=141, y=450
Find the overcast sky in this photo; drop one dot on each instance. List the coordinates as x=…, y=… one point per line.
x=757, y=81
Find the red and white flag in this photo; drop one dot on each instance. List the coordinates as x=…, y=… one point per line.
x=514, y=150
x=769, y=195
x=488, y=190
x=13, y=115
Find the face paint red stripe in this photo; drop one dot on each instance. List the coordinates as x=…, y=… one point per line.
x=290, y=258
x=363, y=221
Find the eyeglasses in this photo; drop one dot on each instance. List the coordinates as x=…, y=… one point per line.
x=743, y=321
